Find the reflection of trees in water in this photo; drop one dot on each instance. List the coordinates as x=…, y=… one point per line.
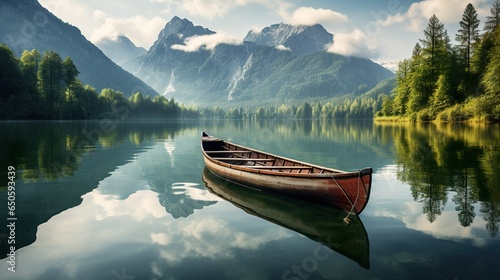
x=52, y=150
x=438, y=159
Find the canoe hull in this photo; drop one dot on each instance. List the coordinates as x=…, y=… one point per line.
x=320, y=223
x=346, y=190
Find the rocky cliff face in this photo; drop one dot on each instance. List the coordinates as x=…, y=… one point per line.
x=301, y=40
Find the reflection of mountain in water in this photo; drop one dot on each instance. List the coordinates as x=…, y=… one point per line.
x=181, y=199
x=57, y=163
x=39, y=202
x=162, y=172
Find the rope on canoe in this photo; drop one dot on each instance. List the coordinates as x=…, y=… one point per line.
x=346, y=219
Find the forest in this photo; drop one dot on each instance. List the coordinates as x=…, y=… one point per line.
x=46, y=87
x=441, y=82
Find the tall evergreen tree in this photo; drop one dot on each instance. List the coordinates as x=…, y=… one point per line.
x=402, y=90
x=491, y=79
x=493, y=21
x=421, y=86
x=468, y=34
x=434, y=44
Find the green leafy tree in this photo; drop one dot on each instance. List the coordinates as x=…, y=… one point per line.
x=70, y=73
x=316, y=111
x=304, y=111
x=387, y=106
x=30, y=64
x=51, y=79
x=11, y=81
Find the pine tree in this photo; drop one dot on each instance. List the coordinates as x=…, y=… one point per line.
x=402, y=90
x=441, y=98
x=491, y=79
x=468, y=35
x=434, y=44
x=493, y=21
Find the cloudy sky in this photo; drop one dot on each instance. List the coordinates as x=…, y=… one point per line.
x=382, y=30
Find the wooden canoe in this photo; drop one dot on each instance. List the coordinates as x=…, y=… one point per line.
x=349, y=191
x=318, y=222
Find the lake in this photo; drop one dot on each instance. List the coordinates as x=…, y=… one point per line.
x=132, y=200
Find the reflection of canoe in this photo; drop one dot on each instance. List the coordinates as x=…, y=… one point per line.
x=318, y=222
x=346, y=190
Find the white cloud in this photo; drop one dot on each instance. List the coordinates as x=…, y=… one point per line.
x=282, y=48
x=211, y=9
x=99, y=15
x=448, y=11
x=141, y=30
x=356, y=43
x=208, y=42
x=311, y=16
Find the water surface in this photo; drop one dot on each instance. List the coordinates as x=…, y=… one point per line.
x=131, y=201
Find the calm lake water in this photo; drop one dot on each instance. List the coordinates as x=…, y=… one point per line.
x=133, y=201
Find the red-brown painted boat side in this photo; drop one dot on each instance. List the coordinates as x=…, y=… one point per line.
x=346, y=190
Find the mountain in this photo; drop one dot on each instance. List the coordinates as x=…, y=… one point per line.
x=120, y=49
x=252, y=70
x=300, y=40
x=26, y=25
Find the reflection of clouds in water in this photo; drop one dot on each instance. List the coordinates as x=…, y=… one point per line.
x=210, y=238
x=194, y=193
x=446, y=226
x=138, y=205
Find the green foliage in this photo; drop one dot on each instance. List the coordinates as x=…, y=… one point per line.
x=493, y=21
x=450, y=84
x=468, y=34
x=46, y=87
x=491, y=79
x=11, y=81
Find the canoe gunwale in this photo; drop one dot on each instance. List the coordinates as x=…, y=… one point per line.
x=349, y=191
x=262, y=170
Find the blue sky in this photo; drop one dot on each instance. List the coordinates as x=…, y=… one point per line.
x=381, y=30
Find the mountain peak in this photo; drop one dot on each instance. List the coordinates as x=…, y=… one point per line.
x=119, y=48
x=177, y=30
x=185, y=27
x=300, y=39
